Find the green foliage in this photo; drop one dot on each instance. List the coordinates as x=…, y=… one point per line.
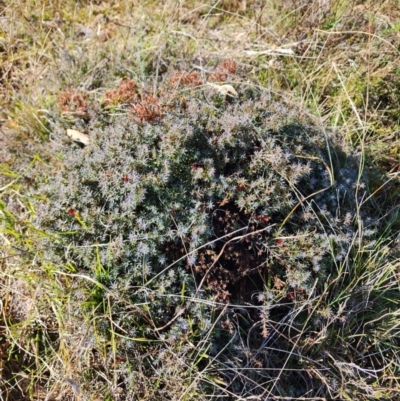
x=151, y=210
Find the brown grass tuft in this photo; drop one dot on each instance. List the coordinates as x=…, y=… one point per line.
x=228, y=65
x=186, y=79
x=148, y=109
x=125, y=93
x=218, y=76
x=74, y=102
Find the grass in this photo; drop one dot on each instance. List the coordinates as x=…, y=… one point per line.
x=64, y=334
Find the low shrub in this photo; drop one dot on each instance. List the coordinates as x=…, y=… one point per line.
x=233, y=224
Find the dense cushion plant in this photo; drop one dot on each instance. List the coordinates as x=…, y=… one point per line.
x=216, y=200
